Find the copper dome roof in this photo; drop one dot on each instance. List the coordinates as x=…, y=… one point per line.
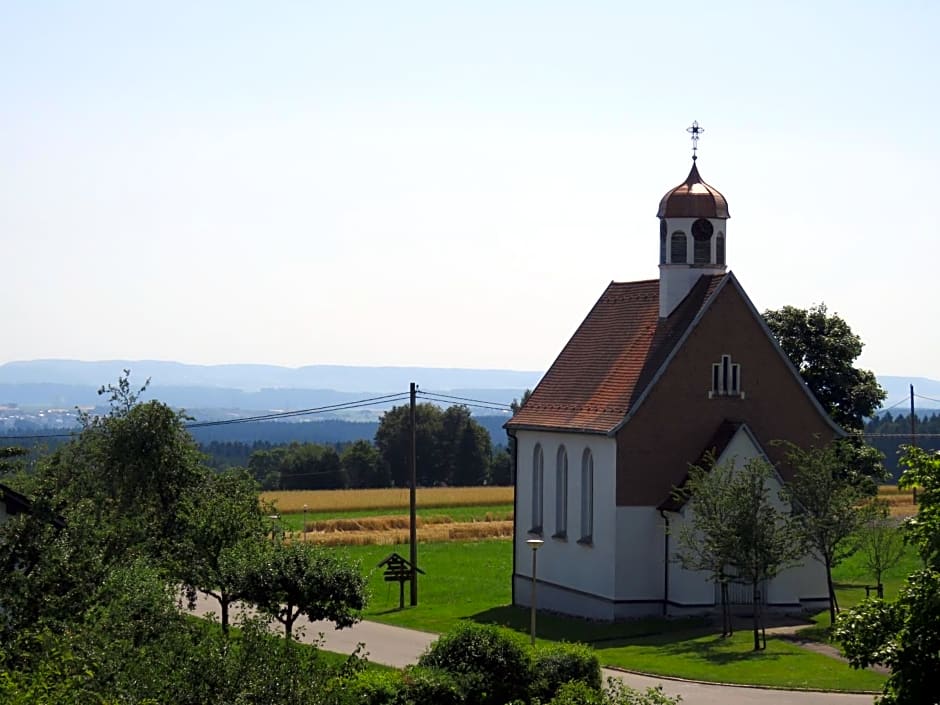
x=693, y=199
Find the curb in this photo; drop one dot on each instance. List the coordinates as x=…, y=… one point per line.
x=720, y=684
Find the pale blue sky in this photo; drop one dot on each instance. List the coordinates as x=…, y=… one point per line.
x=451, y=184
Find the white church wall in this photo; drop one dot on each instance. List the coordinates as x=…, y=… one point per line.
x=569, y=570
x=640, y=555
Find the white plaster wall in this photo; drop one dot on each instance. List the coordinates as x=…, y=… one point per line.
x=640, y=554
x=676, y=279
x=565, y=562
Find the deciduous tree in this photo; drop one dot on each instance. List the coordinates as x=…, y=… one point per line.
x=290, y=580
x=828, y=507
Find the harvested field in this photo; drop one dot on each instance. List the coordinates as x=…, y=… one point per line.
x=396, y=521
x=429, y=533
x=900, y=502
x=288, y=502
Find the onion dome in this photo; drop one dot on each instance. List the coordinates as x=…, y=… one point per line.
x=693, y=199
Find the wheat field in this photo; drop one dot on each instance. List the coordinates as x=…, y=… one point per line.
x=429, y=533
x=292, y=502
x=900, y=502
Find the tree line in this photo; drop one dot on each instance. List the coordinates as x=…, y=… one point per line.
x=453, y=448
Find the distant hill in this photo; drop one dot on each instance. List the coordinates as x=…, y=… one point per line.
x=899, y=388
x=254, y=378
x=224, y=391
x=65, y=384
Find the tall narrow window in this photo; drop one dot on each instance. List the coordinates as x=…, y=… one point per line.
x=720, y=248
x=561, y=493
x=587, y=497
x=677, y=249
x=702, y=230
x=662, y=241
x=538, y=477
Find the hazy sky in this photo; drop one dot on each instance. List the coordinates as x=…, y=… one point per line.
x=451, y=184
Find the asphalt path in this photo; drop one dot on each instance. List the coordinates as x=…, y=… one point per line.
x=399, y=647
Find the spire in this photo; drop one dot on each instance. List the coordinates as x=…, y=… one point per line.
x=695, y=130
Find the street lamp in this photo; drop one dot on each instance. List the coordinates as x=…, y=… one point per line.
x=534, y=545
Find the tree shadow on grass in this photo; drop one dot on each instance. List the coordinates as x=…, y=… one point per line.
x=554, y=627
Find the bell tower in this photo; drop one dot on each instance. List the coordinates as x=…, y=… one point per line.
x=692, y=229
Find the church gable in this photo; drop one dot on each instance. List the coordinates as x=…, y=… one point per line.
x=728, y=369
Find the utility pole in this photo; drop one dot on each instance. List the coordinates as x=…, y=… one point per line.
x=913, y=421
x=413, y=499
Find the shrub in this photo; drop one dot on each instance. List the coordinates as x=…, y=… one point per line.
x=429, y=686
x=578, y=693
x=374, y=688
x=557, y=664
x=491, y=664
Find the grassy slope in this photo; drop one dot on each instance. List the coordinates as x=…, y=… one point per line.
x=470, y=581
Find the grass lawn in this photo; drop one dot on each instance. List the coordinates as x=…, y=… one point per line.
x=470, y=581
x=851, y=577
x=294, y=521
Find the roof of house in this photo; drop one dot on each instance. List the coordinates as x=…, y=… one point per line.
x=17, y=503
x=611, y=359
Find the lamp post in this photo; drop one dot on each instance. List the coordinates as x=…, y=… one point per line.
x=305, y=524
x=534, y=545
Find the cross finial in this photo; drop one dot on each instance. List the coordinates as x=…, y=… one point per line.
x=695, y=131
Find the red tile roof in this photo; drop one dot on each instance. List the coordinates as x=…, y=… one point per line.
x=611, y=359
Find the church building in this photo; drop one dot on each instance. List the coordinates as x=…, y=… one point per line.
x=658, y=375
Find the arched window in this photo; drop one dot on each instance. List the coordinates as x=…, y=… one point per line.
x=561, y=493
x=587, y=497
x=702, y=230
x=720, y=248
x=538, y=478
x=677, y=249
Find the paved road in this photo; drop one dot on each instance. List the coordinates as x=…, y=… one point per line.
x=395, y=646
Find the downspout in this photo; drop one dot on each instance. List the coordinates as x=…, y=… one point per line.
x=662, y=513
x=515, y=505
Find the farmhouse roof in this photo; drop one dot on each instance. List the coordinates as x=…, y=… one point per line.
x=612, y=358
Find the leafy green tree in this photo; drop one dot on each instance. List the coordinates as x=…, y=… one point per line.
x=363, y=465
x=708, y=542
x=828, y=507
x=905, y=635
x=290, y=580
x=501, y=467
x=393, y=440
x=922, y=471
x=218, y=519
x=824, y=349
x=733, y=516
x=880, y=542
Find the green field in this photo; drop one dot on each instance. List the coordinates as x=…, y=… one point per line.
x=471, y=581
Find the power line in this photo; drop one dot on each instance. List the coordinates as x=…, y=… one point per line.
x=482, y=403
x=430, y=397
x=921, y=396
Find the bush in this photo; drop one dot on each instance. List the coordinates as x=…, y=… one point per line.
x=429, y=686
x=490, y=664
x=374, y=688
x=557, y=664
x=578, y=693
